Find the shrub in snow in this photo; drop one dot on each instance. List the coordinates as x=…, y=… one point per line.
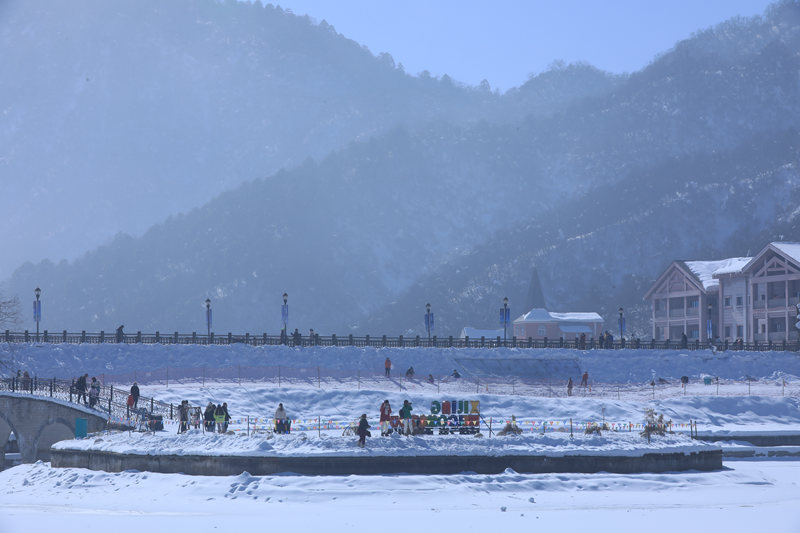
x=654, y=424
x=594, y=427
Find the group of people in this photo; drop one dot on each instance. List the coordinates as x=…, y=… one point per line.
x=410, y=373
x=215, y=417
x=81, y=386
x=385, y=422
x=297, y=337
x=584, y=383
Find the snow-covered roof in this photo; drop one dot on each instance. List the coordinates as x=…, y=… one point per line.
x=705, y=271
x=543, y=315
x=475, y=333
x=789, y=249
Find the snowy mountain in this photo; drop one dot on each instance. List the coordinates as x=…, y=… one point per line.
x=454, y=197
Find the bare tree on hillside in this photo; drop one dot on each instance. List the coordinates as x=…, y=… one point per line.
x=9, y=311
x=9, y=316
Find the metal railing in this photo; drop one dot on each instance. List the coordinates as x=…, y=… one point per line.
x=384, y=341
x=112, y=402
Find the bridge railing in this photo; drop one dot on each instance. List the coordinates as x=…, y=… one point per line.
x=384, y=341
x=111, y=401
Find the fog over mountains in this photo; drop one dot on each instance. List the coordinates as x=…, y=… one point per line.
x=250, y=152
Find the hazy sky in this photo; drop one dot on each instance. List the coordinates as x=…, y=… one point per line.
x=505, y=41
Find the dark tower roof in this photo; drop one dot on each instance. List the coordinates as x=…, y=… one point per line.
x=535, y=298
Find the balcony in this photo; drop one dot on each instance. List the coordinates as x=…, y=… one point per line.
x=676, y=313
x=772, y=303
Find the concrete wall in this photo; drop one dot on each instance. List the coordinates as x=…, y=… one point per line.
x=234, y=465
x=39, y=422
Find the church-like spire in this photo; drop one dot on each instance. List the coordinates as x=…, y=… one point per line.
x=535, y=298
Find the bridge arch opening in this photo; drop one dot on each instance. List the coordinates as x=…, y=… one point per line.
x=49, y=435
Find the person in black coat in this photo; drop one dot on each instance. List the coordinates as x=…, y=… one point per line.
x=80, y=389
x=363, y=430
x=208, y=417
x=135, y=394
x=297, y=338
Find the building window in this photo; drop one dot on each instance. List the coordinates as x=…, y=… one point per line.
x=727, y=301
x=740, y=331
x=727, y=332
x=694, y=302
x=542, y=331
x=739, y=301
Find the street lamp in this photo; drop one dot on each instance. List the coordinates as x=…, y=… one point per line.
x=208, y=318
x=37, y=310
x=709, y=331
x=285, y=316
x=428, y=320
x=621, y=324
x=505, y=313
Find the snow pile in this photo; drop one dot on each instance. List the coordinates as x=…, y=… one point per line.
x=195, y=442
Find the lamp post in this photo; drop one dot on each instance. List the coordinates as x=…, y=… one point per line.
x=208, y=318
x=37, y=310
x=709, y=331
x=428, y=320
x=621, y=324
x=504, y=316
x=285, y=316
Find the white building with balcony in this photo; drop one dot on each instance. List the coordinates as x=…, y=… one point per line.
x=748, y=298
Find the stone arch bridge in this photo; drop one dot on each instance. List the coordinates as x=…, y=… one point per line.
x=42, y=412
x=39, y=422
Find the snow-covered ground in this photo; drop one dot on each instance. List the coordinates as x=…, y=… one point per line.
x=745, y=496
x=758, y=392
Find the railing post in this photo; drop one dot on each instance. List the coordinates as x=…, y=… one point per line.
x=158, y=337
x=211, y=338
x=483, y=341
x=138, y=337
x=7, y=336
x=83, y=336
x=416, y=342
x=194, y=337
x=247, y=338
x=175, y=337
x=230, y=338
x=383, y=341
x=466, y=341
x=545, y=342
x=52, y=384
x=64, y=336
x=514, y=341
x=530, y=342
x=110, y=398
x=263, y=343
x=400, y=341
x=45, y=336
x=450, y=341
x=434, y=341
x=334, y=341
x=27, y=336
x=151, y=405
x=367, y=340
x=350, y=339
x=102, y=336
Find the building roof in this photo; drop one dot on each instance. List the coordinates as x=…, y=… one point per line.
x=706, y=271
x=543, y=315
x=789, y=249
x=475, y=333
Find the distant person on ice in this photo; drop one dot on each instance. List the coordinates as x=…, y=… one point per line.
x=585, y=379
x=120, y=334
x=219, y=418
x=386, y=416
x=410, y=372
x=455, y=374
x=363, y=430
x=569, y=387
x=387, y=366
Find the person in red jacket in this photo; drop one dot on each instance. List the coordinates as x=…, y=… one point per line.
x=386, y=416
x=387, y=365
